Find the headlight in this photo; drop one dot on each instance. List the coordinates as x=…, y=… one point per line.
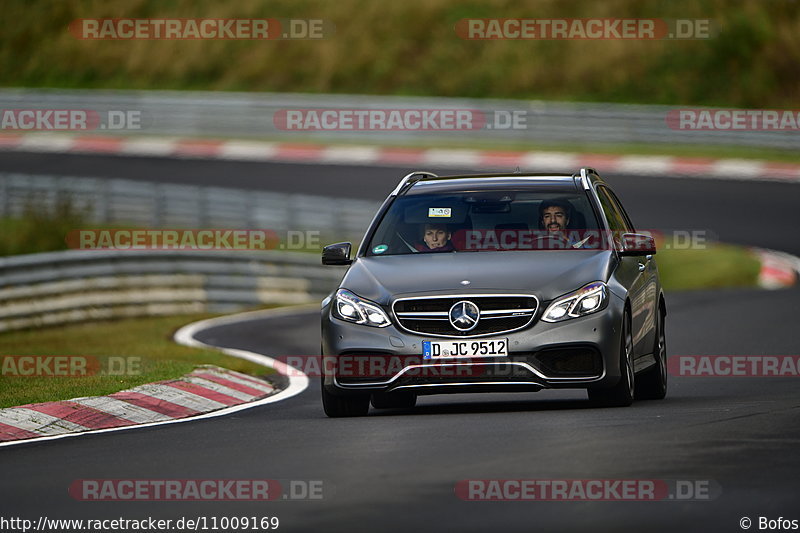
x=347, y=306
x=584, y=301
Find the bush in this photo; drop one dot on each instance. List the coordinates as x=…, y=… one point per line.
x=41, y=228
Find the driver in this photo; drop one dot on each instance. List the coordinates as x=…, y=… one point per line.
x=435, y=238
x=554, y=215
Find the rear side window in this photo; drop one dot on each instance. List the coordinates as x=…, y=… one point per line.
x=618, y=204
x=613, y=211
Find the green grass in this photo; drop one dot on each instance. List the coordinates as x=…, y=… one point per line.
x=717, y=266
x=411, y=48
x=40, y=229
x=147, y=338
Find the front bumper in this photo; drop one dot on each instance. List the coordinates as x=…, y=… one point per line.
x=577, y=353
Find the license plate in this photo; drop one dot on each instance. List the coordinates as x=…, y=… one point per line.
x=456, y=349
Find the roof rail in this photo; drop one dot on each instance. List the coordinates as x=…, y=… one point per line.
x=585, y=171
x=412, y=178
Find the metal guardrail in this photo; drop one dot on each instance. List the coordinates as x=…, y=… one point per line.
x=250, y=115
x=163, y=205
x=78, y=285
x=71, y=286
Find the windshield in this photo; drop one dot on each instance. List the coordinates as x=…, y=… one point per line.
x=486, y=221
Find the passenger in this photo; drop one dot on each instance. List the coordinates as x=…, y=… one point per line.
x=435, y=238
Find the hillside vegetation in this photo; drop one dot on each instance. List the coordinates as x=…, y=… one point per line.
x=411, y=48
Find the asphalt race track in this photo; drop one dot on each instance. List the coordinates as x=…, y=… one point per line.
x=397, y=469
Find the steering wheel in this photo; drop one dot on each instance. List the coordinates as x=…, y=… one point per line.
x=557, y=235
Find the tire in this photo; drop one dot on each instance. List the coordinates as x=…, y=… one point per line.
x=621, y=394
x=652, y=384
x=344, y=406
x=394, y=400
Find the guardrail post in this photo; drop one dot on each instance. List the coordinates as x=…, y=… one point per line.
x=159, y=209
x=5, y=202
x=105, y=192
x=203, y=208
x=250, y=210
x=291, y=212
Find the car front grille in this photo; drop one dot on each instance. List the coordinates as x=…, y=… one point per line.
x=498, y=314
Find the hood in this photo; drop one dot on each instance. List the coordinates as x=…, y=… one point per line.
x=546, y=274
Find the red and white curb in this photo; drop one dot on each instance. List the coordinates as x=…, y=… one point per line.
x=208, y=391
x=778, y=269
x=204, y=390
x=238, y=150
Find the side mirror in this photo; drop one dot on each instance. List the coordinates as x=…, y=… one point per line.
x=337, y=254
x=637, y=244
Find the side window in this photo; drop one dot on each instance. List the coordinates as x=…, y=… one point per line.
x=618, y=204
x=616, y=220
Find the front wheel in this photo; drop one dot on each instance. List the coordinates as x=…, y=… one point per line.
x=344, y=406
x=652, y=385
x=621, y=394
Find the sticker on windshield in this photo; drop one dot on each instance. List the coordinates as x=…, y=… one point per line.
x=440, y=212
x=380, y=248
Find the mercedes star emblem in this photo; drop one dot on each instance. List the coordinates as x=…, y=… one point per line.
x=464, y=315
